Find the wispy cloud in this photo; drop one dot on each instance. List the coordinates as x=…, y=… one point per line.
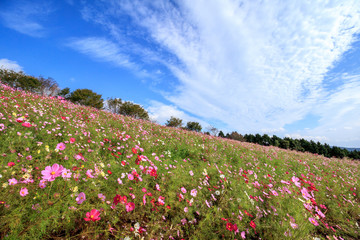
x=252, y=65
x=8, y=64
x=161, y=112
x=26, y=17
x=101, y=49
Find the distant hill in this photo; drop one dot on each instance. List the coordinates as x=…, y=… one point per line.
x=351, y=149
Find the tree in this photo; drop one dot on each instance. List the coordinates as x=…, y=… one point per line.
x=19, y=80
x=193, y=126
x=221, y=134
x=114, y=104
x=48, y=86
x=133, y=110
x=86, y=97
x=213, y=130
x=236, y=136
x=174, y=122
x=65, y=93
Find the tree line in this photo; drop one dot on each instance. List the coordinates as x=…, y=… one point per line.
x=86, y=97
x=301, y=145
x=49, y=87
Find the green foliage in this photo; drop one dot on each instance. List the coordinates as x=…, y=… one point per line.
x=65, y=93
x=193, y=126
x=20, y=80
x=221, y=134
x=174, y=122
x=86, y=97
x=114, y=104
x=133, y=110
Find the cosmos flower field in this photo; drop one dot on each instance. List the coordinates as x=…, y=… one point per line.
x=74, y=172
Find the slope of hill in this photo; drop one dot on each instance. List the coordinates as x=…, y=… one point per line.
x=69, y=171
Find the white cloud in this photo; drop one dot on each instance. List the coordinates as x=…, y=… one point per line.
x=314, y=138
x=26, y=17
x=252, y=65
x=101, y=49
x=8, y=64
x=160, y=113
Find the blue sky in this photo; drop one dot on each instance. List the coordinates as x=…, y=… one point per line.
x=289, y=68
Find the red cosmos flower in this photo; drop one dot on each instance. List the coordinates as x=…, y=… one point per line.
x=138, y=160
x=93, y=215
x=72, y=140
x=20, y=120
x=134, y=150
x=109, y=172
x=11, y=164
x=120, y=199
x=26, y=124
x=229, y=226
x=252, y=224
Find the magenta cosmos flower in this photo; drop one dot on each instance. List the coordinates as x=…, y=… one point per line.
x=50, y=173
x=93, y=215
x=130, y=206
x=81, y=198
x=61, y=146
x=313, y=221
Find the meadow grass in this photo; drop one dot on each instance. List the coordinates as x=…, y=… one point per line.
x=75, y=172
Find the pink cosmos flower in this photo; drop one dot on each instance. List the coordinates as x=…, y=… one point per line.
x=42, y=184
x=66, y=173
x=305, y=193
x=183, y=190
x=313, y=221
x=102, y=197
x=24, y=192
x=72, y=140
x=193, y=192
x=61, y=146
x=93, y=215
x=50, y=173
x=89, y=173
x=81, y=198
x=186, y=209
x=293, y=225
x=274, y=193
x=130, y=206
x=131, y=177
x=191, y=173
x=161, y=200
x=12, y=181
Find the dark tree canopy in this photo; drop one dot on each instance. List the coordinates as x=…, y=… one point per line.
x=133, y=110
x=20, y=80
x=86, y=97
x=65, y=93
x=174, y=122
x=193, y=126
x=221, y=134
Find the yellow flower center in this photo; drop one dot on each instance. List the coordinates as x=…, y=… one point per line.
x=92, y=216
x=52, y=173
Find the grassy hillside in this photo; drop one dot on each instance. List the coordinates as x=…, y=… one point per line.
x=75, y=172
